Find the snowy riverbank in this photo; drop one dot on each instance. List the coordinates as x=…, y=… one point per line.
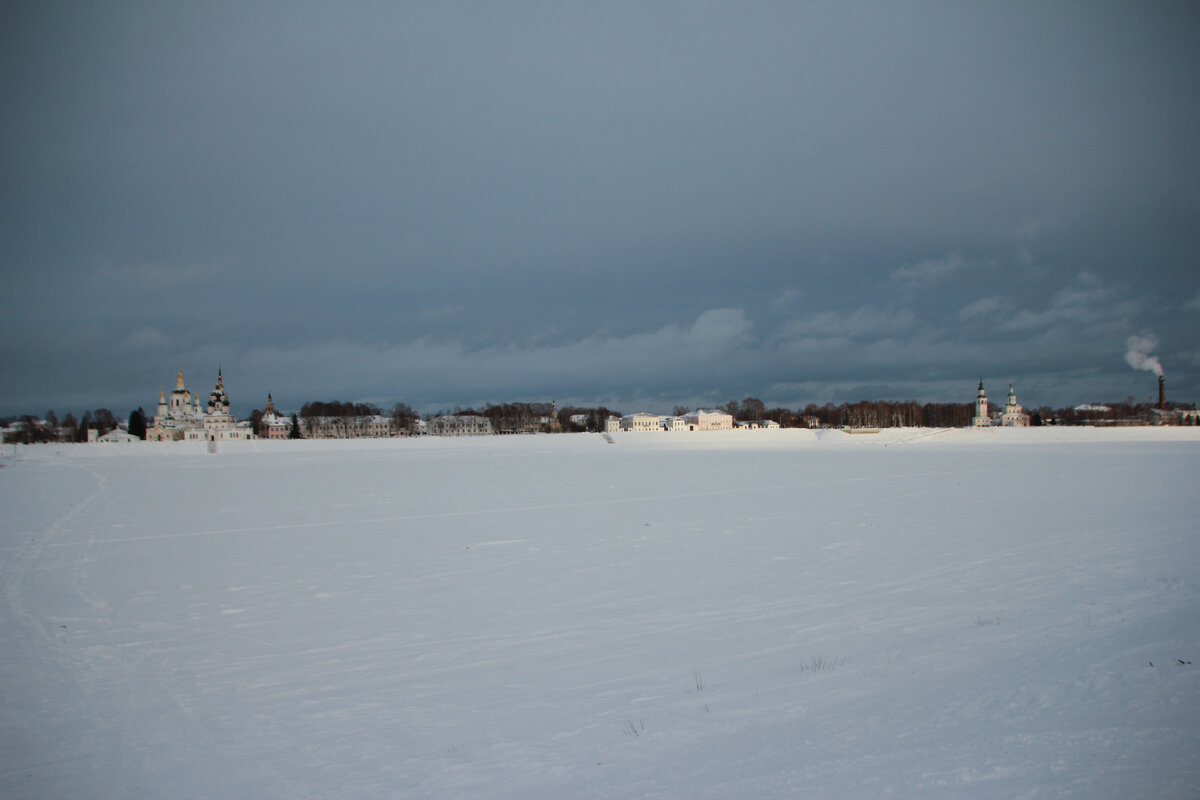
x=731, y=614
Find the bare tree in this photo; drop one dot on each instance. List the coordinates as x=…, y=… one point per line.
x=751, y=408
x=404, y=417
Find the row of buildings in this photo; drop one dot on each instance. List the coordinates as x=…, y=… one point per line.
x=180, y=416
x=699, y=420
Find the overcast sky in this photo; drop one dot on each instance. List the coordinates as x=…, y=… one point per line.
x=637, y=204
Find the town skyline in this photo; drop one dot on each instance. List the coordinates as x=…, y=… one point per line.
x=191, y=398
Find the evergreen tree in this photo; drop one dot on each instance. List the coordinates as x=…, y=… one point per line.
x=69, y=426
x=137, y=423
x=85, y=422
x=294, y=433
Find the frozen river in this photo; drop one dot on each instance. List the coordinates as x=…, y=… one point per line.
x=757, y=614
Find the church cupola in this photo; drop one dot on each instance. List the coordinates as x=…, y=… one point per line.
x=218, y=402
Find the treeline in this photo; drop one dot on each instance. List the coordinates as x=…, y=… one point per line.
x=535, y=417
x=28, y=429
x=336, y=408
x=530, y=417
x=1126, y=412
x=911, y=414
x=864, y=414
x=403, y=417
x=592, y=420
x=885, y=414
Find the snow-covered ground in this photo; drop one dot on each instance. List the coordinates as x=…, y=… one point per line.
x=743, y=614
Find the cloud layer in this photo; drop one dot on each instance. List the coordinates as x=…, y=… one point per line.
x=630, y=203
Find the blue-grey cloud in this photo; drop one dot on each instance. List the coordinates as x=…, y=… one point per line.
x=453, y=203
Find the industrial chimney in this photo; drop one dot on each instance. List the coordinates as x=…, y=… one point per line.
x=1162, y=394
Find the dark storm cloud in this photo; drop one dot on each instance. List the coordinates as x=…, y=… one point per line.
x=642, y=203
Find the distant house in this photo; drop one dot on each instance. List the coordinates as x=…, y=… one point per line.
x=374, y=426
x=705, y=420
x=118, y=436
x=754, y=424
x=14, y=432
x=673, y=423
x=460, y=425
x=641, y=422
x=1092, y=408
x=274, y=426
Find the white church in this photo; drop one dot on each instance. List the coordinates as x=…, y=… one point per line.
x=180, y=418
x=1013, y=416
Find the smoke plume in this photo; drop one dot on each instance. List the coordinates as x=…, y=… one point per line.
x=1138, y=349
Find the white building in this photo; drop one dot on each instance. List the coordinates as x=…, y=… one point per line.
x=373, y=426
x=705, y=420
x=981, y=419
x=180, y=417
x=755, y=424
x=673, y=424
x=460, y=425
x=118, y=436
x=1014, y=416
x=175, y=415
x=641, y=422
x=274, y=425
x=217, y=424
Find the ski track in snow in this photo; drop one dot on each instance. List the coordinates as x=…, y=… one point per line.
x=710, y=616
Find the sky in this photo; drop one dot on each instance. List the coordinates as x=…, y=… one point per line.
x=635, y=204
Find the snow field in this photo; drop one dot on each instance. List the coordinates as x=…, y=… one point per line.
x=754, y=614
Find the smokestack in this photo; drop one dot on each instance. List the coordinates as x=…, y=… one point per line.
x=1162, y=394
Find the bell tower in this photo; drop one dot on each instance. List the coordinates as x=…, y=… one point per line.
x=981, y=420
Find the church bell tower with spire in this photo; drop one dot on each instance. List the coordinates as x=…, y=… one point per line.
x=981, y=420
